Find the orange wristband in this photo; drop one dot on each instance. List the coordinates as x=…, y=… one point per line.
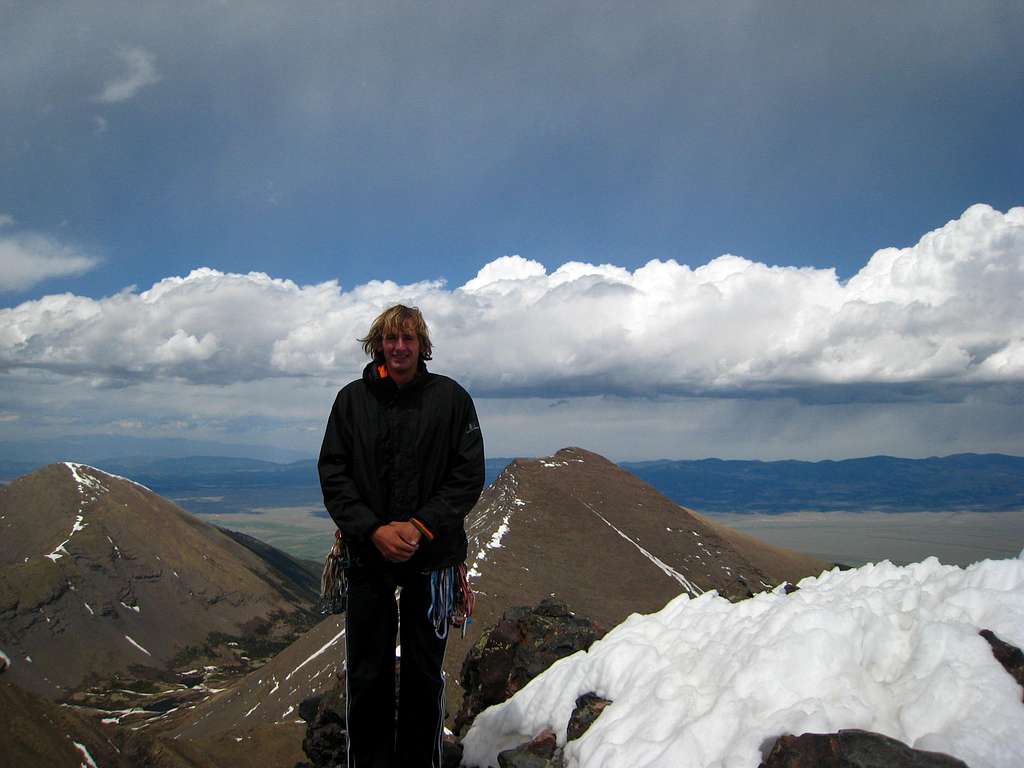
x=422, y=528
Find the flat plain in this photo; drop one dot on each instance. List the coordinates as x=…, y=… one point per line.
x=855, y=538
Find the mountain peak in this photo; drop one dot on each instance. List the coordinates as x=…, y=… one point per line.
x=98, y=563
x=576, y=526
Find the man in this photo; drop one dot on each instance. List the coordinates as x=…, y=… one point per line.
x=402, y=462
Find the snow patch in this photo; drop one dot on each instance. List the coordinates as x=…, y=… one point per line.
x=137, y=645
x=132, y=607
x=86, y=757
x=89, y=609
x=322, y=650
x=83, y=480
x=59, y=552
x=664, y=567
x=507, y=501
x=495, y=541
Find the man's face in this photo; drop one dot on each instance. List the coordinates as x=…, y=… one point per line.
x=402, y=353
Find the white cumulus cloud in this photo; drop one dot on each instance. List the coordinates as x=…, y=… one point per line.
x=139, y=71
x=28, y=259
x=945, y=311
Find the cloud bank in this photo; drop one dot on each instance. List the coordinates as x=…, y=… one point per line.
x=948, y=310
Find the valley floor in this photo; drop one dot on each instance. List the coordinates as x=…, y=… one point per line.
x=851, y=538
x=855, y=538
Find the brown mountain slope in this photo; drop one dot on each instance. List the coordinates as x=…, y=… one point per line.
x=100, y=577
x=35, y=731
x=578, y=527
x=259, y=713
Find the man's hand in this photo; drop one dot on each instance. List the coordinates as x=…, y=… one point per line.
x=397, y=542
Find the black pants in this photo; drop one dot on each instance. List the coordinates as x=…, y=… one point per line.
x=375, y=740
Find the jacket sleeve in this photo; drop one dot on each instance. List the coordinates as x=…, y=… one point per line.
x=464, y=481
x=342, y=499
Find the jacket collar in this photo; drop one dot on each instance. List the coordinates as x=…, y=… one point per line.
x=375, y=374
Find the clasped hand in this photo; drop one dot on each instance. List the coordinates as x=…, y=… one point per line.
x=397, y=541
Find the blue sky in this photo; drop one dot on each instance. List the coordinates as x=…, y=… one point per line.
x=551, y=153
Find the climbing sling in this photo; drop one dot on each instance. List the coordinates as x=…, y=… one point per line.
x=333, y=597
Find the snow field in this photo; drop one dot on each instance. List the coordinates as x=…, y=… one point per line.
x=705, y=683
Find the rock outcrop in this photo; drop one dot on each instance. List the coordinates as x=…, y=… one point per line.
x=326, y=735
x=1010, y=656
x=852, y=749
x=524, y=643
x=588, y=708
x=540, y=752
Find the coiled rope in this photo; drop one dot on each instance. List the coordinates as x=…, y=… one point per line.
x=451, y=600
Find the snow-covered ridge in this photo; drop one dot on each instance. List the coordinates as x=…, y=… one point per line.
x=86, y=480
x=508, y=501
x=84, y=484
x=88, y=487
x=705, y=682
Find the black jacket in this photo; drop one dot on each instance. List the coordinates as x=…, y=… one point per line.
x=393, y=453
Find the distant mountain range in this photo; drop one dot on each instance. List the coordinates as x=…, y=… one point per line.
x=967, y=481
x=95, y=449
x=982, y=482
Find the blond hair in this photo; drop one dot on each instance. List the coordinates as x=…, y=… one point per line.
x=392, y=320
